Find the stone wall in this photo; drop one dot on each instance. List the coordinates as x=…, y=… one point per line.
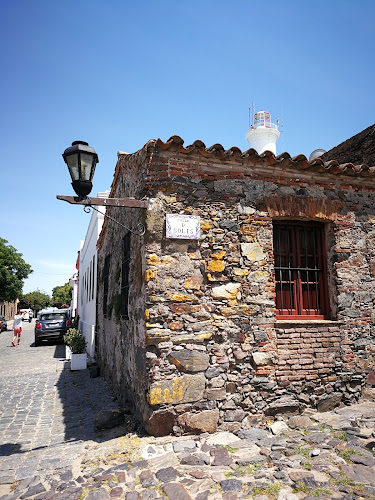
x=120, y=342
x=204, y=313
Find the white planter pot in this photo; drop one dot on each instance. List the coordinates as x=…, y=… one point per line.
x=78, y=361
x=68, y=352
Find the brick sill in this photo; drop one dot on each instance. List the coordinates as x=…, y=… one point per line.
x=307, y=322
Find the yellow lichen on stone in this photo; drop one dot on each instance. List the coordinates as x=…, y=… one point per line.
x=216, y=266
x=261, y=274
x=155, y=340
x=218, y=255
x=191, y=337
x=147, y=314
x=242, y=310
x=250, y=239
x=150, y=274
x=179, y=297
x=248, y=229
x=176, y=325
x=156, y=298
x=194, y=282
x=204, y=336
x=205, y=225
x=219, y=323
x=178, y=386
x=155, y=396
x=155, y=333
x=173, y=394
x=153, y=260
x=240, y=272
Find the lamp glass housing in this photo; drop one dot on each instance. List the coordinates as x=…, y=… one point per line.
x=88, y=164
x=72, y=162
x=81, y=160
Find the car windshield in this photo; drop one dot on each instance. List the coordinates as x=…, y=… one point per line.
x=53, y=316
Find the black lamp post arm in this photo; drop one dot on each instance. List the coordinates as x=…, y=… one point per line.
x=140, y=227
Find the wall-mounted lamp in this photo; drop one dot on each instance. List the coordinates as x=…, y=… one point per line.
x=81, y=160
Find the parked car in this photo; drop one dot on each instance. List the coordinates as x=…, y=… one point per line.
x=51, y=326
x=4, y=324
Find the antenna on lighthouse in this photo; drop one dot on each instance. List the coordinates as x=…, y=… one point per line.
x=263, y=134
x=251, y=115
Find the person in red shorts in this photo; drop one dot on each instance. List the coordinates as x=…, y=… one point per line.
x=17, y=328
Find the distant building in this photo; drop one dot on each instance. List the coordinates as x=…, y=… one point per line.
x=8, y=309
x=250, y=292
x=73, y=282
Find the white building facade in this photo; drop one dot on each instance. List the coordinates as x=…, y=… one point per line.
x=87, y=283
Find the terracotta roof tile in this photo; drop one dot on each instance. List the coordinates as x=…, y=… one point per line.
x=284, y=160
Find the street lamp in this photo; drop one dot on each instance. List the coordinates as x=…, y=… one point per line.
x=81, y=160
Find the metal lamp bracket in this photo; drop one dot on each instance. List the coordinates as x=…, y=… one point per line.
x=89, y=203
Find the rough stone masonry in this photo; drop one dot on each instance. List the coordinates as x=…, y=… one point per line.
x=200, y=348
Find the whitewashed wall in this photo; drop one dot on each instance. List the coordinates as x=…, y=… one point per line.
x=87, y=285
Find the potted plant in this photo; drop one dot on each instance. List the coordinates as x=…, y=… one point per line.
x=76, y=342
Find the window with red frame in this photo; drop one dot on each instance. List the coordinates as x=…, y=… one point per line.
x=300, y=270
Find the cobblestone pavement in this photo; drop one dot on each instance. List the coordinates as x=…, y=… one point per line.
x=46, y=411
x=49, y=450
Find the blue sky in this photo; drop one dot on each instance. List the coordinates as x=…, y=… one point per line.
x=117, y=73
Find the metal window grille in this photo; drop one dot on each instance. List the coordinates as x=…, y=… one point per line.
x=300, y=269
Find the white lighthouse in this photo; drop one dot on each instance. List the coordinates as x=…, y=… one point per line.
x=262, y=136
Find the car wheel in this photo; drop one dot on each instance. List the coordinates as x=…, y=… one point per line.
x=37, y=342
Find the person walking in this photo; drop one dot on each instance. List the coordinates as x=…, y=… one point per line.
x=17, y=328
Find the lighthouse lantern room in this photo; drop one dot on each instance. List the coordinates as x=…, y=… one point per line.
x=262, y=136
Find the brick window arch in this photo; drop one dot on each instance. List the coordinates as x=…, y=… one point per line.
x=300, y=270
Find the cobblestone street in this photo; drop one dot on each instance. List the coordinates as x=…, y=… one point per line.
x=46, y=411
x=49, y=449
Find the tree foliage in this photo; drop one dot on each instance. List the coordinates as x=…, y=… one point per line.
x=13, y=271
x=36, y=300
x=61, y=295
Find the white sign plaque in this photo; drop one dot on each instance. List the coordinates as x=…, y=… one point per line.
x=187, y=227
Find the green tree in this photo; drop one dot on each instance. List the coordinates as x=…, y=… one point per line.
x=13, y=271
x=36, y=300
x=61, y=295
